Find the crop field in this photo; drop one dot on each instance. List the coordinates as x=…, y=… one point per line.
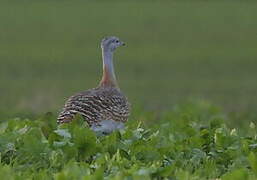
x=189, y=70
x=190, y=142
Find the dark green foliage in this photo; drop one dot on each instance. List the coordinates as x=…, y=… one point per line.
x=190, y=142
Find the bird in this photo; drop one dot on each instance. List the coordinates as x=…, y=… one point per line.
x=104, y=108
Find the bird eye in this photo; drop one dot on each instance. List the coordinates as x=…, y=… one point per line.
x=117, y=41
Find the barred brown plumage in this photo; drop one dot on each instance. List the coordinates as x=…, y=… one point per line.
x=96, y=104
x=105, y=108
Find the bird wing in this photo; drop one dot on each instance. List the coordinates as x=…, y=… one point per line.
x=80, y=103
x=96, y=105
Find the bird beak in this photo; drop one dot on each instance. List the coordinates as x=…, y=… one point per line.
x=123, y=44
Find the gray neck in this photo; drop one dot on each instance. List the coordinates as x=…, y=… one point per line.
x=109, y=78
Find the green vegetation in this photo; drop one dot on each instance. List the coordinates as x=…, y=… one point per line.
x=190, y=142
x=177, y=50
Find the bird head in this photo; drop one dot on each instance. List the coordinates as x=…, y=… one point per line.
x=111, y=43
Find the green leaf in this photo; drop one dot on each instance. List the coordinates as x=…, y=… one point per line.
x=237, y=174
x=253, y=162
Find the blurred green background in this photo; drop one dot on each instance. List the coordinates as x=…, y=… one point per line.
x=176, y=50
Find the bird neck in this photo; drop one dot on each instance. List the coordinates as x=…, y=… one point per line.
x=108, y=78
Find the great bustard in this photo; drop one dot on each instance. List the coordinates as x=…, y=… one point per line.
x=105, y=108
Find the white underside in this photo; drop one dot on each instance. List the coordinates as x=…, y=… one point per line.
x=107, y=126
